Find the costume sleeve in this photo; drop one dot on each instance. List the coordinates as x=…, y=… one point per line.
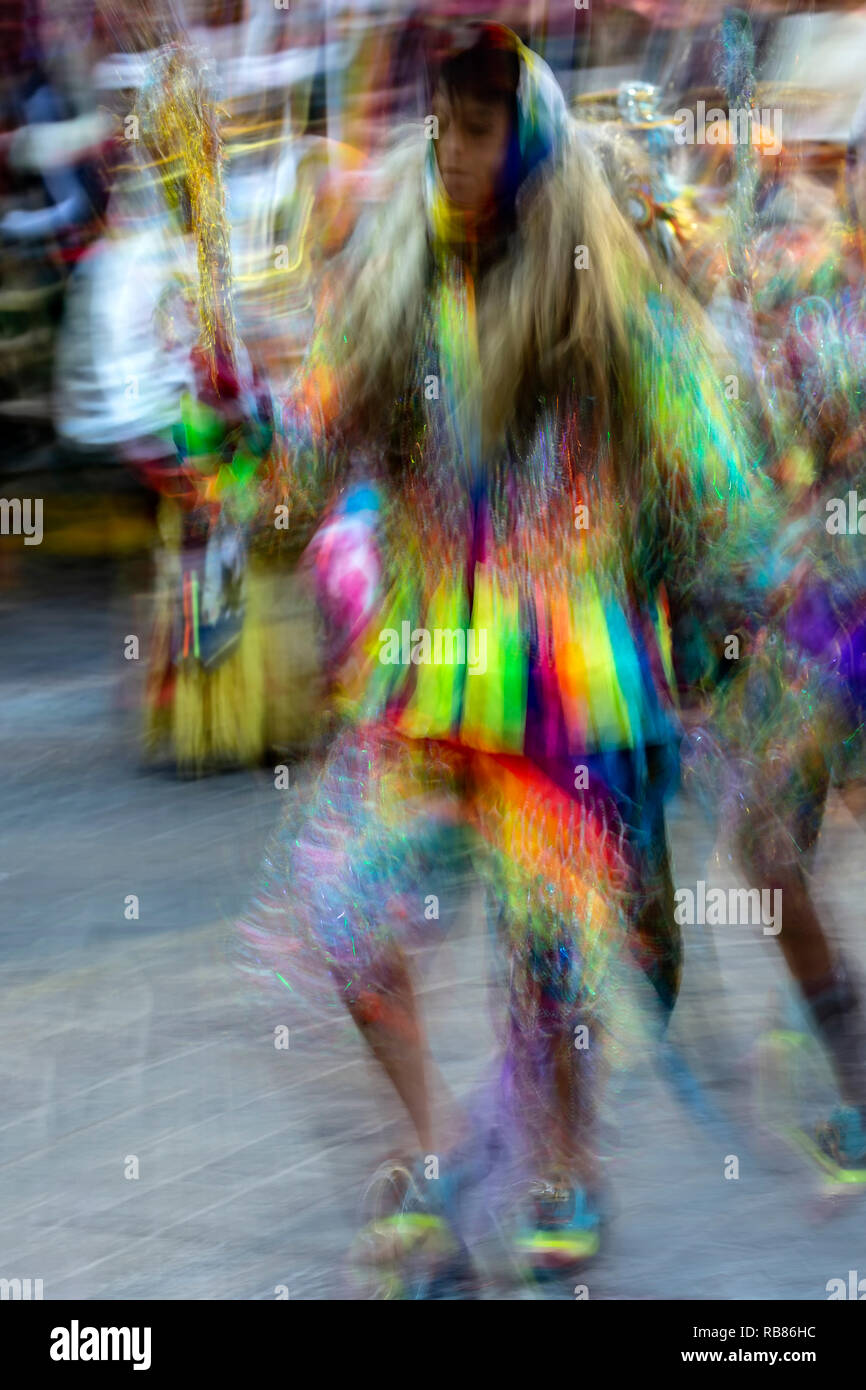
x=308, y=454
x=736, y=558
x=310, y=414
x=712, y=516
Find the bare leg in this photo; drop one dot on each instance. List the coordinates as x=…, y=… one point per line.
x=576, y=1081
x=569, y=1077
x=555, y=1075
x=655, y=939
x=829, y=992
x=854, y=796
x=386, y=1015
x=767, y=854
x=802, y=940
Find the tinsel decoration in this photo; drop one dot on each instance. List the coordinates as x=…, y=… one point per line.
x=180, y=124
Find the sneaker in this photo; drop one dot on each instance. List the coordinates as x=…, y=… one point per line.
x=565, y=1231
x=406, y=1220
x=414, y=1247
x=841, y=1145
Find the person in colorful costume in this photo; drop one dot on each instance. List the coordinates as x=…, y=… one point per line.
x=525, y=452
x=808, y=296
x=208, y=699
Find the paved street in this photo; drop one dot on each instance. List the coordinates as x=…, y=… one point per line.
x=129, y=1044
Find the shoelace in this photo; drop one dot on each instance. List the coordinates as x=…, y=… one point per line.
x=545, y=1191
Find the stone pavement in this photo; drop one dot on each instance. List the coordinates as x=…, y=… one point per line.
x=134, y=1045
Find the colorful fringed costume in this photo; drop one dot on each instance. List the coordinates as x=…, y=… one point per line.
x=805, y=699
x=207, y=697
x=527, y=454
x=216, y=673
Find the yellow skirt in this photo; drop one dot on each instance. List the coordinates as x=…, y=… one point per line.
x=265, y=696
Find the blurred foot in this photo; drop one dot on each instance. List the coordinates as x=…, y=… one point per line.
x=409, y=1218
x=841, y=1144
x=564, y=1230
x=414, y=1247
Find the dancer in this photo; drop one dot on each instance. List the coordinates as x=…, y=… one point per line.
x=207, y=694
x=528, y=450
x=809, y=306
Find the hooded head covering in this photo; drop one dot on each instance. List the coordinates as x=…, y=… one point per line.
x=538, y=128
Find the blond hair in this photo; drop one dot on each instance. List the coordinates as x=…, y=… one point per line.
x=544, y=325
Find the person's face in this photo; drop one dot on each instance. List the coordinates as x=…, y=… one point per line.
x=471, y=148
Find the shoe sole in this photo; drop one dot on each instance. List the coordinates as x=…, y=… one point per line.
x=845, y=1176
x=401, y=1236
x=544, y=1254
